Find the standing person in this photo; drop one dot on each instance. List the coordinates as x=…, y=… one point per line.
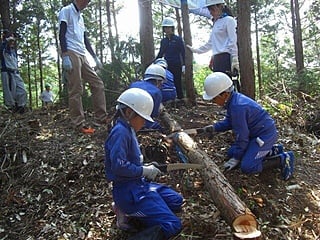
x=255, y=132
x=151, y=203
x=172, y=49
x=47, y=96
x=74, y=43
x=153, y=79
x=14, y=91
x=168, y=88
x=222, y=41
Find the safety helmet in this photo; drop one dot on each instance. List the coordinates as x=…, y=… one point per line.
x=155, y=72
x=167, y=22
x=214, y=84
x=213, y=2
x=139, y=101
x=47, y=85
x=161, y=62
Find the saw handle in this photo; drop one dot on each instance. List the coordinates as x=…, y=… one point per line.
x=161, y=167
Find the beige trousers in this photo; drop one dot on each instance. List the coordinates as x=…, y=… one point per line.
x=82, y=72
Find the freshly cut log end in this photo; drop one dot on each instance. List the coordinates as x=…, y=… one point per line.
x=252, y=235
x=245, y=227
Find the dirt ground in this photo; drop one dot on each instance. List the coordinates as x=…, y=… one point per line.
x=53, y=185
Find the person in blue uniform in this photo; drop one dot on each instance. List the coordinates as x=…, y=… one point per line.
x=254, y=148
x=153, y=79
x=173, y=50
x=168, y=88
x=134, y=196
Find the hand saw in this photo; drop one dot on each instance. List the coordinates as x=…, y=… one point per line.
x=191, y=131
x=176, y=166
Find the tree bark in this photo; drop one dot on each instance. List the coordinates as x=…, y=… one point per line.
x=245, y=52
x=232, y=209
x=5, y=14
x=146, y=33
x=190, y=91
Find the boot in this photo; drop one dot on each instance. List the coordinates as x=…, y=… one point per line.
x=152, y=233
x=122, y=219
x=287, y=165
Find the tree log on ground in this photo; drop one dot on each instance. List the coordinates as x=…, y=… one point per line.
x=232, y=209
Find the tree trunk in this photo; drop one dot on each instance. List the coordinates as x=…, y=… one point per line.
x=5, y=13
x=146, y=33
x=245, y=52
x=190, y=91
x=258, y=53
x=297, y=36
x=232, y=209
x=111, y=42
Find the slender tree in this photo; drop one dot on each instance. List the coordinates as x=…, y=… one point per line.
x=146, y=32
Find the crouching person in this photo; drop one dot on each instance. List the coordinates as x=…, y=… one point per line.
x=134, y=193
x=254, y=148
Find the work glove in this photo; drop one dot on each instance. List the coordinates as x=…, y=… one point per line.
x=232, y=163
x=183, y=69
x=194, y=50
x=98, y=63
x=209, y=129
x=150, y=172
x=234, y=64
x=211, y=63
x=66, y=63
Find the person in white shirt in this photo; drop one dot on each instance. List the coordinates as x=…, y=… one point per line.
x=74, y=43
x=222, y=41
x=47, y=96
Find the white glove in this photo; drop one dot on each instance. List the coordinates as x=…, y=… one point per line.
x=183, y=69
x=150, y=172
x=234, y=64
x=194, y=50
x=231, y=164
x=66, y=63
x=98, y=63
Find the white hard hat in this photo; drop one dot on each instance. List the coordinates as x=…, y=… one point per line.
x=216, y=83
x=161, y=62
x=213, y=2
x=167, y=22
x=139, y=101
x=155, y=72
x=11, y=38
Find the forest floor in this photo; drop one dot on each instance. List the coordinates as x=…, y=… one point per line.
x=52, y=183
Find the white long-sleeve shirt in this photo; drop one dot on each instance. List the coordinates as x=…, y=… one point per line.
x=47, y=96
x=223, y=38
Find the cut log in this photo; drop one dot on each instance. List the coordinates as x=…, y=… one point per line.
x=172, y=125
x=231, y=207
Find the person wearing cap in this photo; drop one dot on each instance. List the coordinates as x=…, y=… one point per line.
x=173, y=51
x=255, y=132
x=74, y=43
x=134, y=193
x=222, y=41
x=153, y=78
x=47, y=96
x=168, y=88
x=14, y=91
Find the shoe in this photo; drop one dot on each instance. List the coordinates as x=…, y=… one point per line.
x=122, y=219
x=275, y=150
x=287, y=163
x=87, y=130
x=99, y=123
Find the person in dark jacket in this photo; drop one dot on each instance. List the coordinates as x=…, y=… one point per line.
x=254, y=148
x=14, y=91
x=173, y=50
x=152, y=204
x=153, y=79
x=168, y=88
